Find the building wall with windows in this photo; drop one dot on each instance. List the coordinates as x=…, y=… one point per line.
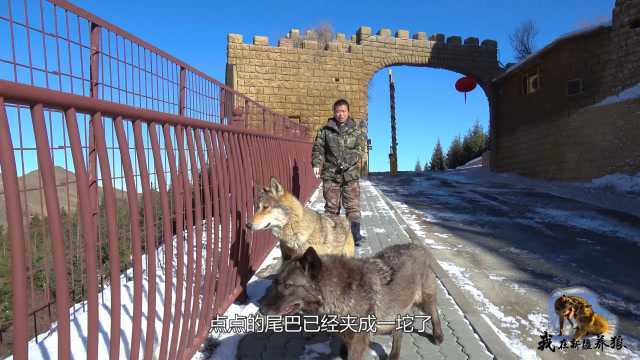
x=545, y=124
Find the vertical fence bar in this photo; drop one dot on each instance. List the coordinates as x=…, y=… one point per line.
x=249, y=141
x=197, y=213
x=15, y=232
x=230, y=214
x=132, y=198
x=214, y=166
x=90, y=272
x=261, y=237
x=241, y=190
x=45, y=164
x=189, y=216
x=248, y=187
x=150, y=238
x=204, y=312
x=112, y=234
x=176, y=183
x=261, y=178
x=221, y=291
x=182, y=90
x=168, y=241
x=89, y=231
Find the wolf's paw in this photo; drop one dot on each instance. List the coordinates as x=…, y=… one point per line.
x=438, y=338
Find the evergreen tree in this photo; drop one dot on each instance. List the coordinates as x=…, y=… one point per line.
x=455, y=154
x=437, y=158
x=6, y=312
x=474, y=143
x=418, y=167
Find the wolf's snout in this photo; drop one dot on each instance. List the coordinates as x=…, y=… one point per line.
x=249, y=226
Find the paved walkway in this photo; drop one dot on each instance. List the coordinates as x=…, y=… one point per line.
x=383, y=227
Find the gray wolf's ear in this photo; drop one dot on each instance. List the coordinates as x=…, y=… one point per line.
x=311, y=263
x=276, y=187
x=261, y=188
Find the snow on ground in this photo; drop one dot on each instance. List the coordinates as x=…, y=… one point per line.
x=617, y=183
x=477, y=162
x=588, y=221
x=627, y=94
x=256, y=288
x=517, y=347
x=509, y=323
x=616, y=191
x=451, y=300
x=47, y=346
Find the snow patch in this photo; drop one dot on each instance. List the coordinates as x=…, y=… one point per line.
x=588, y=221
x=514, y=344
x=618, y=183
x=627, y=94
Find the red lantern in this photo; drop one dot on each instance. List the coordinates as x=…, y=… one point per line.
x=465, y=85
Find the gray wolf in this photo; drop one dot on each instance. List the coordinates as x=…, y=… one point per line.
x=386, y=285
x=298, y=227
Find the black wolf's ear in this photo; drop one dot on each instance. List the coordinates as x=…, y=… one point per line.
x=276, y=187
x=311, y=263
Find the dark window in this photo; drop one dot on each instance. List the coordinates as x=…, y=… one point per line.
x=635, y=23
x=574, y=87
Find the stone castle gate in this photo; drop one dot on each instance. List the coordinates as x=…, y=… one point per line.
x=302, y=82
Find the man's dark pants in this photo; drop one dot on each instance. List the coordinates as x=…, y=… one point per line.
x=347, y=194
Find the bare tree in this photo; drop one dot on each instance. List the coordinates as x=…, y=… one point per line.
x=322, y=33
x=522, y=39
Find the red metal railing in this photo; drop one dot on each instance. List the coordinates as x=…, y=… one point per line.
x=117, y=156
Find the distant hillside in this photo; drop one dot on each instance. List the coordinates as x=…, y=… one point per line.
x=35, y=203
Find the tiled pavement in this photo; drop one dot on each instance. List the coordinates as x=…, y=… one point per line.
x=381, y=229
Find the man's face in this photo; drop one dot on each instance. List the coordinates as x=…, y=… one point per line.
x=341, y=113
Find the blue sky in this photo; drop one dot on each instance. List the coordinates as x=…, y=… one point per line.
x=427, y=105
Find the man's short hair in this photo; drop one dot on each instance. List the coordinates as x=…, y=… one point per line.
x=340, y=102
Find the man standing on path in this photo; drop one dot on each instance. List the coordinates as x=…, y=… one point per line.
x=338, y=149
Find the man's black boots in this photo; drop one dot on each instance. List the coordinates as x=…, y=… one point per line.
x=355, y=231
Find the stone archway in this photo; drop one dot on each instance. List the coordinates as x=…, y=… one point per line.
x=304, y=82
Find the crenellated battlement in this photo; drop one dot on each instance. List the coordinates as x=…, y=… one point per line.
x=365, y=37
x=303, y=73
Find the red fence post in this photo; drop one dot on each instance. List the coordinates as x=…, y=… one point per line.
x=16, y=236
x=45, y=164
x=132, y=198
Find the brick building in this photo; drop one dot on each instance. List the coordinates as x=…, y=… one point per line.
x=544, y=121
